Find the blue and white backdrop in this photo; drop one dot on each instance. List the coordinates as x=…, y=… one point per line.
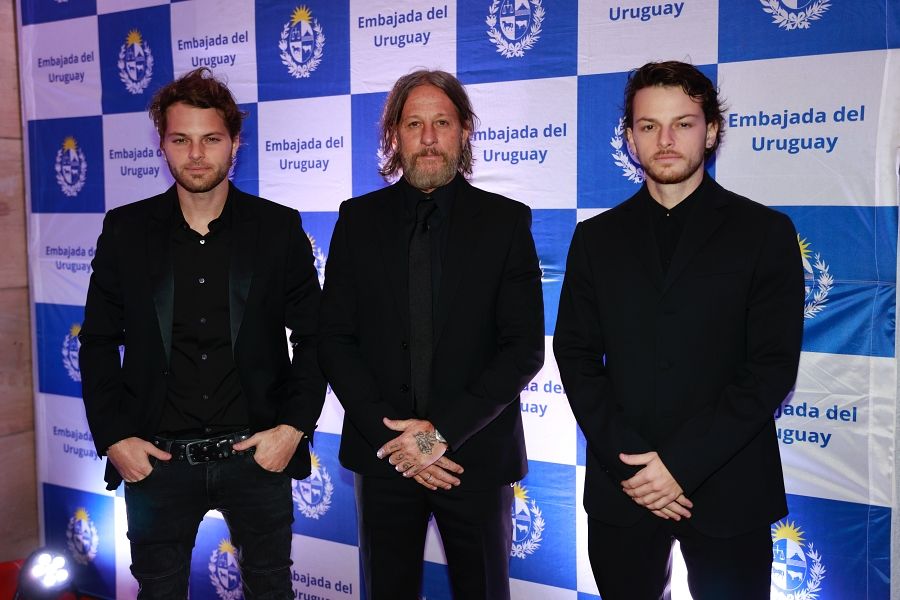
x=812, y=130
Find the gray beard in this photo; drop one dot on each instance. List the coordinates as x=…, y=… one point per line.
x=429, y=180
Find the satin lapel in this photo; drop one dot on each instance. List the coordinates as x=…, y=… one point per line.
x=701, y=225
x=462, y=239
x=638, y=232
x=394, y=245
x=161, y=271
x=243, y=251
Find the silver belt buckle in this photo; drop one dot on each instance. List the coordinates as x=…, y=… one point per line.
x=205, y=445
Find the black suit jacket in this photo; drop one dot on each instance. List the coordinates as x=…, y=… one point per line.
x=691, y=365
x=488, y=340
x=272, y=285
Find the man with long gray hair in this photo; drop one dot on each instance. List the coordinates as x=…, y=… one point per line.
x=431, y=324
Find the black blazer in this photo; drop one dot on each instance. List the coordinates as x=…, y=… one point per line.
x=692, y=364
x=272, y=285
x=488, y=340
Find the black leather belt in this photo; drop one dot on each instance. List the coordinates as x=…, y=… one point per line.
x=200, y=451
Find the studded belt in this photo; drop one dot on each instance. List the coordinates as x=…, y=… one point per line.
x=204, y=450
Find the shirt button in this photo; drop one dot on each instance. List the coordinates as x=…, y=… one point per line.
x=201, y=280
x=203, y=356
x=202, y=242
x=203, y=320
x=205, y=396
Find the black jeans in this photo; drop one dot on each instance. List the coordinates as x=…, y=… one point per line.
x=165, y=510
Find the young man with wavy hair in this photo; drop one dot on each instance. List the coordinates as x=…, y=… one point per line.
x=206, y=410
x=679, y=330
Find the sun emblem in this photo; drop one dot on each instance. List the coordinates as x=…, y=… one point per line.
x=224, y=573
x=797, y=569
x=301, y=13
x=135, y=63
x=71, y=167
x=81, y=537
x=313, y=494
x=302, y=43
x=527, y=523
x=134, y=38
x=70, y=348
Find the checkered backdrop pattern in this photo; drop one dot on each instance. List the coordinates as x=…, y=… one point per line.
x=812, y=129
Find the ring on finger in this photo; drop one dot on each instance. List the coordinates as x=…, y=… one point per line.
x=430, y=477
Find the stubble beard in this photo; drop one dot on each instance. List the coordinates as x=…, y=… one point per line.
x=200, y=184
x=429, y=178
x=672, y=174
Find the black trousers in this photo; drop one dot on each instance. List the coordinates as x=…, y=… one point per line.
x=635, y=563
x=165, y=510
x=475, y=527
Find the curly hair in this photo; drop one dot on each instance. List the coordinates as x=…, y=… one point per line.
x=677, y=74
x=201, y=89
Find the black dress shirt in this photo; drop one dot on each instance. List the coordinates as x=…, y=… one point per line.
x=438, y=224
x=669, y=223
x=204, y=394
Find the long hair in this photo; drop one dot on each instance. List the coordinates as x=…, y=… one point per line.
x=201, y=89
x=393, y=109
x=677, y=74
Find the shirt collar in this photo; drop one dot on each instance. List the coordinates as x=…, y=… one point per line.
x=222, y=221
x=683, y=208
x=443, y=195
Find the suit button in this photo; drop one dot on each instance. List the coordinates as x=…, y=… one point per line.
x=404, y=345
x=663, y=365
x=404, y=388
x=165, y=373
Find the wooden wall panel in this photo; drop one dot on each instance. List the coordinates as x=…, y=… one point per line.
x=10, y=117
x=18, y=494
x=13, y=272
x=18, y=500
x=16, y=396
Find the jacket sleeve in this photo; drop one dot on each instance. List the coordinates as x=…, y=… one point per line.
x=774, y=329
x=102, y=332
x=579, y=349
x=519, y=324
x=301, y=307
x=339, y=352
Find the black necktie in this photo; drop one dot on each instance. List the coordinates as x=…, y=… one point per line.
x=420, y=307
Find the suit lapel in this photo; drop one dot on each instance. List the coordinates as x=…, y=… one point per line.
x=638, y=232
x=162, y=274
x=245, y=226
x=462, y=239
x=392, y=230
x=706, y=218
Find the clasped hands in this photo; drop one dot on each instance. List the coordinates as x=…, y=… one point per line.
x=416, y=453
x=654, y=488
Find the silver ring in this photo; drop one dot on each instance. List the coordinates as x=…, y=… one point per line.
x=430, y=476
